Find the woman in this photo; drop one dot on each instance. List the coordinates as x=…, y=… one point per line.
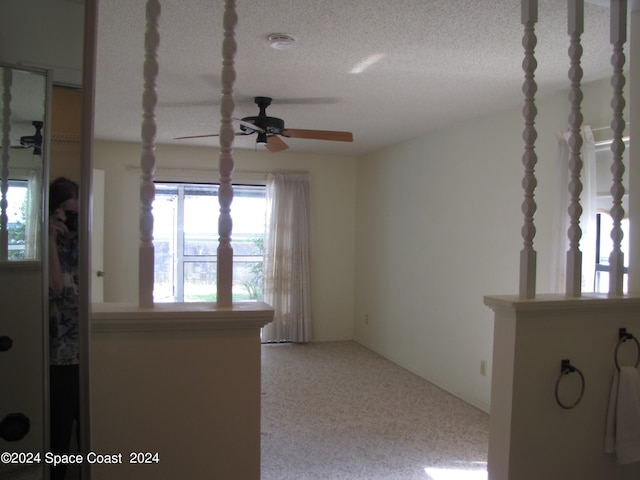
x=64, y=402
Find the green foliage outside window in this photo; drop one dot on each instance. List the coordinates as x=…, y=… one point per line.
x=17, y=234
x=254, y=284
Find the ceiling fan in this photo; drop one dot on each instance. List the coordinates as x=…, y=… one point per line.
x=270, y=129
x=33, y=141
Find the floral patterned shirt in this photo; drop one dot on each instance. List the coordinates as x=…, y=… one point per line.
x=64, y=344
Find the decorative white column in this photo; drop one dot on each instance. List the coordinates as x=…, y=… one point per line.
x=148, y=158
x=634, y=153
x=618, y=38
x=225, y=194
x=7, y=80
x=529, y=158
x=574, y=255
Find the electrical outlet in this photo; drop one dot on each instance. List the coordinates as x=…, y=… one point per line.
x=483, y=368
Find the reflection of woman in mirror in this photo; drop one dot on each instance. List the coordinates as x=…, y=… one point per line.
x=63, y=316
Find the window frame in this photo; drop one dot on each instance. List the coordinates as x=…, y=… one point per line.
x=20, y=177
x=604, y=267
x=180, y=257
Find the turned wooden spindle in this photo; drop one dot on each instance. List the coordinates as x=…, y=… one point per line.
x=148, y=157
x=618, y=39
x=226, y=164
x=529, y=158
x=574, y=255
x=7, y=80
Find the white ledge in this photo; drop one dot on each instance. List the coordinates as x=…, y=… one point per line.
x=121, y=317
x=559, y=301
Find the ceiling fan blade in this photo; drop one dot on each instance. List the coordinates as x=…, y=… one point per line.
x=275, y=144
x=318, y=134
x=238, y=134
x=196, y=136
x=308, y=101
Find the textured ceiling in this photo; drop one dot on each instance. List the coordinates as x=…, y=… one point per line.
x=441, y=61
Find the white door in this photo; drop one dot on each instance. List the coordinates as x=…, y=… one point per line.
x=97, y=238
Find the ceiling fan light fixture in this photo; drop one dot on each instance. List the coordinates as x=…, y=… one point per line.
x=262, y=138
x=282, y=41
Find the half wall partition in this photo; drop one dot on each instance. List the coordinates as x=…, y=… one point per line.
x=555, y=355
x=179, y=382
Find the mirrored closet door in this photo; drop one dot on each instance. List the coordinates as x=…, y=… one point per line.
x=23, y=283
x=43, y=54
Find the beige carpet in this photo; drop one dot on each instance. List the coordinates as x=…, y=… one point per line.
x=337, y=410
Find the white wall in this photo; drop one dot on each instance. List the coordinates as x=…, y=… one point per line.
x=333, y=218
x=434, y=226
x=438, y=227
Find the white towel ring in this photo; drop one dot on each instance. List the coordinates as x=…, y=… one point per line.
x=624, y=336
x=565, y=369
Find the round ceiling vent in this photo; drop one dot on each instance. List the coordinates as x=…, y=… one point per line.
x=282, y=41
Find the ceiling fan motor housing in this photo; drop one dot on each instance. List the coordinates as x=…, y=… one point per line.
x=270, y=125
x=34, y=140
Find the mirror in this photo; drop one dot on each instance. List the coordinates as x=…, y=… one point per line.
x=21, y=171
x=23, y=287
x=48, y=35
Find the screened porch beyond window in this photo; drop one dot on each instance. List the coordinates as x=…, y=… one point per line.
x=186, y=241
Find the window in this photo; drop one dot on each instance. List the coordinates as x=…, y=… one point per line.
x=604, y=246
x=186, y=241
x=604, y=222
x=17, y=216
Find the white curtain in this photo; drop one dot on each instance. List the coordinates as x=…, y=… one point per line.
x=587, y=219
x=287, y=258
x=34, y=214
